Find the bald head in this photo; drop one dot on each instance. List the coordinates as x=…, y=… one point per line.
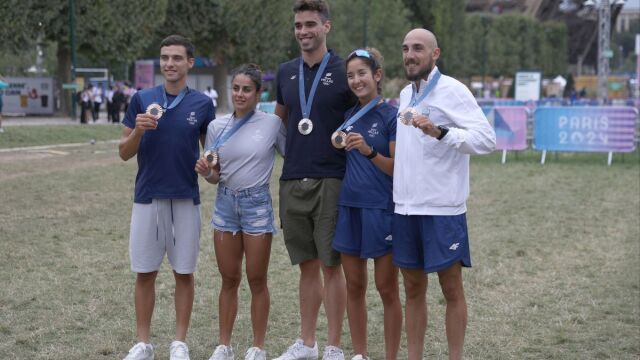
x=424, y=36
x=419, y=52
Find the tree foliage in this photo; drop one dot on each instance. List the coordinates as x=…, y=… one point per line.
x=517, y=42
x=386, y=23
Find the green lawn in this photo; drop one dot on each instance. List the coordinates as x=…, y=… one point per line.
x=555, y=249
x=20, y=136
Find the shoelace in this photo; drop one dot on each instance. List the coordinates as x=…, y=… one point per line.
x=332, y=353
x=179, y=350
x=137, y=350
x=294, y=350
x=252, y=352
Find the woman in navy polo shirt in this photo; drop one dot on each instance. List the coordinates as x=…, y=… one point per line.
x=365, y=206
x=243, y=145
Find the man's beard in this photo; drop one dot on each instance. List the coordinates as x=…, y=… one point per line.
x=422, y=74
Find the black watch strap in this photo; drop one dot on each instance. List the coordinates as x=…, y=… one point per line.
x=373, y=154
x=443, y=131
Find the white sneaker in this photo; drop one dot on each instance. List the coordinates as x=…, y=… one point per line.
x=222, y=352
x=140, y=351
x=179, y=351
x=1, y=130
x=332, y=353
x=359, y=357
x=299, y=351
x=255, y=353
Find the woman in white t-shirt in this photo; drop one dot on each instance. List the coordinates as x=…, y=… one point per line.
x=243, y=145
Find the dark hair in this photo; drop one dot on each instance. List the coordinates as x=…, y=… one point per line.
x=181, y=41
x=319, y=6
x=371, y=57
x=252, y=71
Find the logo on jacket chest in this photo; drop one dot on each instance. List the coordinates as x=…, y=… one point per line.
x=373, y=132
x=192, y=119
x=327, y=80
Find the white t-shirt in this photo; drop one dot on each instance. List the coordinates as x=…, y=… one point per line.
x=248, y=156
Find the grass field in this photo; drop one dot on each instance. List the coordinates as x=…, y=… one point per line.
x=556, y=253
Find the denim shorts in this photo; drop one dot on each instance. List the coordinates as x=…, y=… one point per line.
x=249, y=211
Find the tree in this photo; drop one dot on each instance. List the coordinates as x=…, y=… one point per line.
x=107, y=32
x=385, y=29
x=226, y=31
x=446, y=19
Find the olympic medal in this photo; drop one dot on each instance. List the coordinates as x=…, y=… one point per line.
x=339, y=139
x=407, y=115
x=305, y=126
x=155, y=110
x=211, y=157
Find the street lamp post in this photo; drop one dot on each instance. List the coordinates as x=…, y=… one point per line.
x=604, y=38
x=604, y=52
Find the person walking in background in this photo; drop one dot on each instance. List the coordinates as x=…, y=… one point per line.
x=365, y=206
x=213, y=95
x=86, y=104
x=119, y=100
x=162, y=128
x=109, y=96
x=312, y=97
x=441, y=124
x=243, y=214
x=96, y=97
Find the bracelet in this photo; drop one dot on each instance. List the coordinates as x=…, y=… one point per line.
x=210, y=174
x=373, y=153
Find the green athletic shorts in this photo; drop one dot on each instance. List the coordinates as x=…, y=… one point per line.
x=308, y=212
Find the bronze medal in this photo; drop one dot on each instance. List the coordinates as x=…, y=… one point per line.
x=155, y=110
x=407, y=115
x=339, y=139
x=211, y=157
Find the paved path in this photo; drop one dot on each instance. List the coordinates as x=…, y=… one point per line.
x=47, y=120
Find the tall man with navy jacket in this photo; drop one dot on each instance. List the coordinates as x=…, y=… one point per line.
x=312, y=98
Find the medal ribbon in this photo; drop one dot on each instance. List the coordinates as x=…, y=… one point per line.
x=306, y=106
x=223, y=138
x=370, y=105
x=175, y=101
x=427, y=90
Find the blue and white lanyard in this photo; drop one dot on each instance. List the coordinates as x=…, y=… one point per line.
x=351, y=120
x=225, y=136
x=427, y=90
x=175, y=101
x=306, y=106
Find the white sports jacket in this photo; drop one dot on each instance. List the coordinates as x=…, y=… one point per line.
x=431, y=177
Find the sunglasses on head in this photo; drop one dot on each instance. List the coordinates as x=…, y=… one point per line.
x=360, y=53
x=364, y=54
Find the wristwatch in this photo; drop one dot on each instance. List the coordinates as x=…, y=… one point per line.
x=373, y=154
x=443, y=131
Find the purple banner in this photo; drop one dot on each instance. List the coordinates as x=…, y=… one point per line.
x=144, y=74
x=588, y=129
x=510, y=124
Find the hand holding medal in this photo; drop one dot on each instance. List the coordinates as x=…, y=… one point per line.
x=207, y=171
x=339, y=137
x=211, y=157
x=409, y=115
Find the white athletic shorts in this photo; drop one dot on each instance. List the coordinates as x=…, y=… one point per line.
x=170, y=226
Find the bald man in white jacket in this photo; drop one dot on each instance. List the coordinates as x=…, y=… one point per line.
x=440, y=126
